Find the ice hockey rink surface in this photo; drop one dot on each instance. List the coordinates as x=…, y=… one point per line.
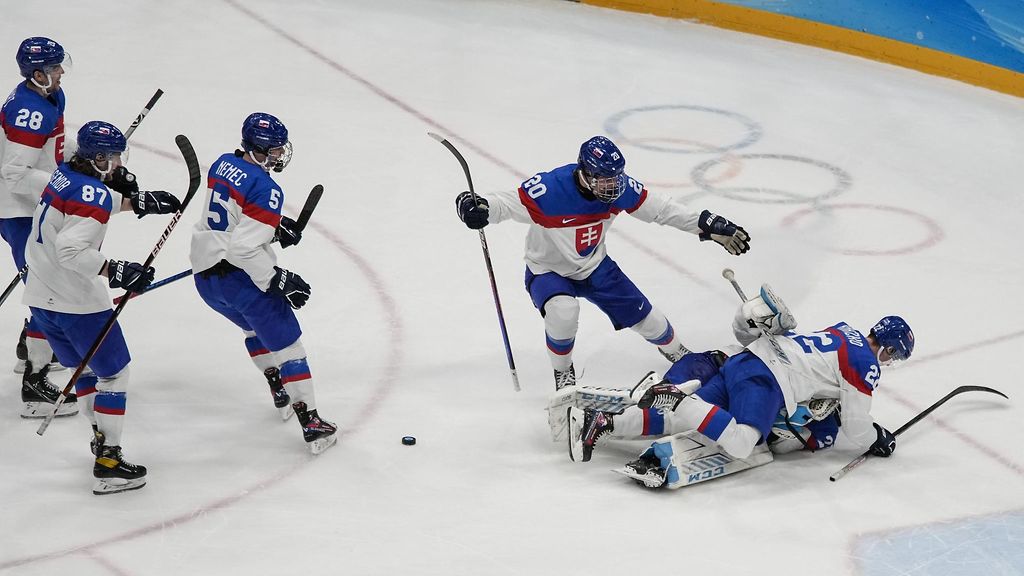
x=867, y=189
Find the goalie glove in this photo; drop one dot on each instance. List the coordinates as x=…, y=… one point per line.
x=765, y=313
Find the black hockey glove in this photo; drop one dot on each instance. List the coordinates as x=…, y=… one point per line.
x=289, y=286
x=474, y=214
x=123, y=181
x=131, y=276
x=287, y=233
x=885, y=445
x=713, y=227
x=154, y=202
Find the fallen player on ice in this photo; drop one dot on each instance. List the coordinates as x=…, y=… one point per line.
x=714, y=414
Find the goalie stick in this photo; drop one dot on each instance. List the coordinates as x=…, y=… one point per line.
x=860, y=459
x=487, y=260
x=194, y=180
x=300, y=224
x=127, y=134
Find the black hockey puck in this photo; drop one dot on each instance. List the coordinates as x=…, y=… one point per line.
x=409, y=440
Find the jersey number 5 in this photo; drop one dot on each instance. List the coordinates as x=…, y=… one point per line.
x=218, y=210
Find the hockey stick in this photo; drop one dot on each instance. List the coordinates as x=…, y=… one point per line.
x=10, y=287
x=145, y=110
x=729, y=275
x=487, y=259
x=300, y=224
x=128, y=134
x=194, y=180
x=860, y=459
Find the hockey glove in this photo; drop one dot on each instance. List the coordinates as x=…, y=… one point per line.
x=290, y=286
x=287, y=233
x=131, y=276
x=155, y=202
x=713, y=227
x=885, y=445
x=473, y=213
x=123, y=181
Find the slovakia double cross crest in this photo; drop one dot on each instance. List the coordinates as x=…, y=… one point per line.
x=588, y=237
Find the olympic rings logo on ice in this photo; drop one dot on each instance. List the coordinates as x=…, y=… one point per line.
x=757, y=176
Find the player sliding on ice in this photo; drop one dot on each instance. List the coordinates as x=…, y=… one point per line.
x=570, y=210
x=782, y=392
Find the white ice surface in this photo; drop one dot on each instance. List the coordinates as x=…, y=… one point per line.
x=401, y=329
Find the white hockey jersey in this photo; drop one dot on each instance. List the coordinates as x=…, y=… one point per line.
x=567, y=231
x=30, y=149
x=836, y=362
x=63, y=250
x=243, y=210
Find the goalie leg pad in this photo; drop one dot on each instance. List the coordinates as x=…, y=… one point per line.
x=691, y=458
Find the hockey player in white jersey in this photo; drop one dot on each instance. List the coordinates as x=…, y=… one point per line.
x=67, y=285
x=784, y=391
x=570, y=210
x=237, y=272
x=32, y=146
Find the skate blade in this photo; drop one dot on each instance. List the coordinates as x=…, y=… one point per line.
x=44, y=409
x=320, y=444
x=286, y=412
x=104, y=486
x=648, y=480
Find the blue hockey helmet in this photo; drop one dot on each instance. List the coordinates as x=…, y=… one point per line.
x=601, y=165
x=38, y=53
x=100, y=140
x=895, y=337
x=264, y=134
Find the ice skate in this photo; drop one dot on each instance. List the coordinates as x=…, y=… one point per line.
x=665, y=396
x=282, y=400
x=319, y=434
x=112, y=472
x=645, y=470
x=39, y=395
x=585, y=428
x=565, y=378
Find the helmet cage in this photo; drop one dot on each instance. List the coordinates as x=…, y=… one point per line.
x=103, y=146
x=605, y=188
x=264, y=134
x=602, y=167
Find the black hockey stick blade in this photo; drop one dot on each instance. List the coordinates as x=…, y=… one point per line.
x=194, y=180
x=959, y=390
x=307, y=209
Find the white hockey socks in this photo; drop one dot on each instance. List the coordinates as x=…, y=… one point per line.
x=262, y=357
x=298, y=382
x=39, y=352
x=656, y=329
x=561, y=322
x=109, y=406
x=85, y=391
